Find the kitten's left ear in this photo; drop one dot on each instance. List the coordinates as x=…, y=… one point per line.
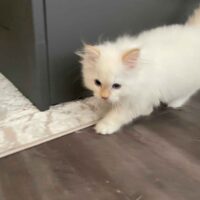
x=130, y=57
x=89, y=52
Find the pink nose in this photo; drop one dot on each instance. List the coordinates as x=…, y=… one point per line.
x=104, y=98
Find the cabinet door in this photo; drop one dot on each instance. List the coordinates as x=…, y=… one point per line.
x=23, y=57
x=71, y=21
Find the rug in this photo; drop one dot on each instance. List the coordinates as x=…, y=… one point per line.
x=23, y=126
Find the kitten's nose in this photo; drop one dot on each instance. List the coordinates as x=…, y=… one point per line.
x=104, y=98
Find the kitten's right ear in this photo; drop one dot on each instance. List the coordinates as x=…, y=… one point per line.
x=89, y=53
x=130, y=57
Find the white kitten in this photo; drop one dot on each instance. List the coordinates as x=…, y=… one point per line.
x=136, y=73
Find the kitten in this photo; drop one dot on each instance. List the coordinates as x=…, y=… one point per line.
x=136, y=73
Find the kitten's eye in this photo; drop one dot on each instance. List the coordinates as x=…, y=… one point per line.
x=116, y=86
x=97, y=82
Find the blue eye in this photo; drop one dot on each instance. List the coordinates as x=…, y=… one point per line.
x=97, y=82
x=116, y=86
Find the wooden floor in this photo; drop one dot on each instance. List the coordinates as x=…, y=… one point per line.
x=155, y=158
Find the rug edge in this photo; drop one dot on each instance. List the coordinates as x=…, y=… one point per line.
x=45, y=139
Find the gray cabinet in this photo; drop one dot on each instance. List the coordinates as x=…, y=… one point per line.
x=38, y=38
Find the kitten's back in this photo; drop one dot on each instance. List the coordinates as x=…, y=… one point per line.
x=194, y=19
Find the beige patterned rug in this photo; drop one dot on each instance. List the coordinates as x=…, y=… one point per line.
x=23, y=126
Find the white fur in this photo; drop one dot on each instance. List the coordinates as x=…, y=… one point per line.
x=167, y=70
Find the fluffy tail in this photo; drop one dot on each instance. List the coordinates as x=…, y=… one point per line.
x=194, y=19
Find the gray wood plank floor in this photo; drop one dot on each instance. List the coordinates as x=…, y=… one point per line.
x=154, y=158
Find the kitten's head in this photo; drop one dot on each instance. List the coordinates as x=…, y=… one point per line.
x=107, y=71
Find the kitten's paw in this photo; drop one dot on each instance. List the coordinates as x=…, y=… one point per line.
x=106, y=128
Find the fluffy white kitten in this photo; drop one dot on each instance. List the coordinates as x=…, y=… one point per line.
x=136, y=73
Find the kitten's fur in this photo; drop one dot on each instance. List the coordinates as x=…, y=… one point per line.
x=159, y=65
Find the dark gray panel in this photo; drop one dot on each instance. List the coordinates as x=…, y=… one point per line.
x=23, y=48
x=70, y=21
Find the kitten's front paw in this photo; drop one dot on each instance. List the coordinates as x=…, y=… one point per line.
x=106, y=128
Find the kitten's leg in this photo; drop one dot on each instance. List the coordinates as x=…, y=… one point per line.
x=119, y=116
x=179, y=102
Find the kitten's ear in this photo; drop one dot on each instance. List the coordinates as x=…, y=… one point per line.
x=92, y=51
x=130, y=57
x=89, y=52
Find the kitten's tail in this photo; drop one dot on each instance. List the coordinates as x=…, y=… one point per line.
x=194, y=19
